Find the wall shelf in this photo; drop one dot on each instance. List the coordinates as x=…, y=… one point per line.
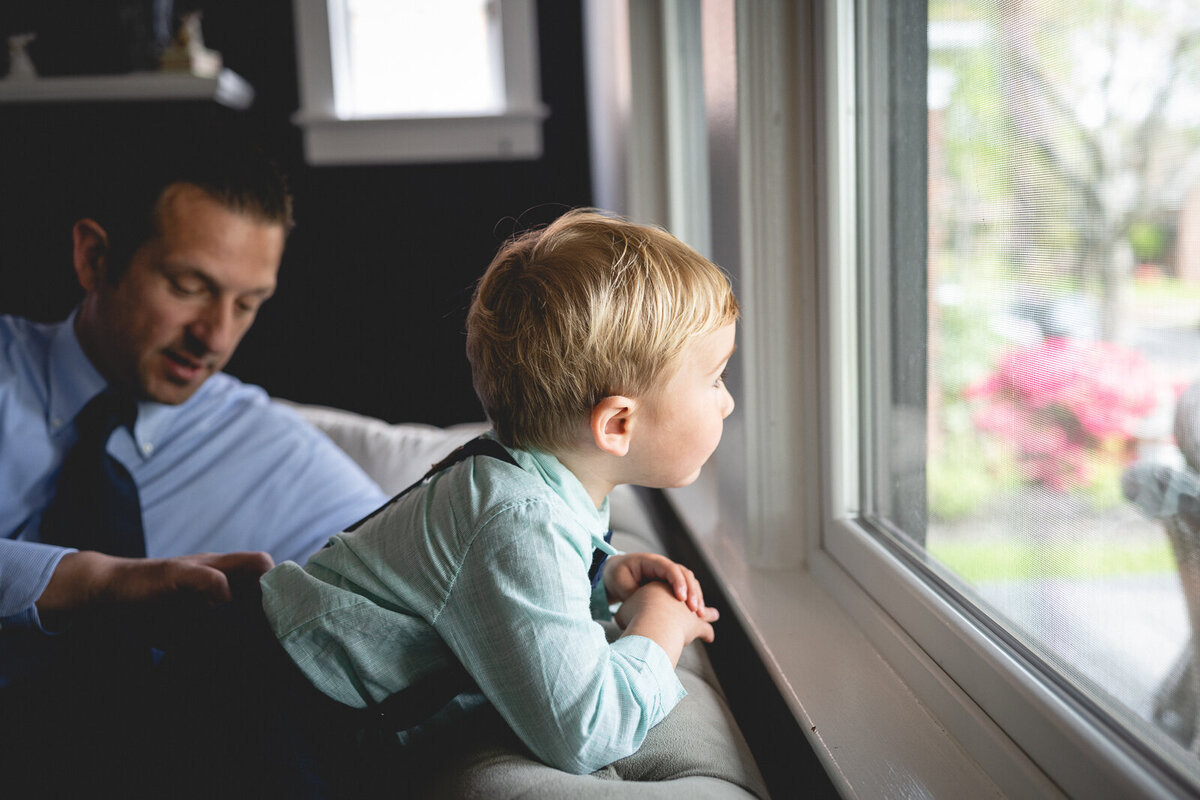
x=227, y=88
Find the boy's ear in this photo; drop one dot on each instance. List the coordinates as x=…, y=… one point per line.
x=611, y=424
x=90, y=253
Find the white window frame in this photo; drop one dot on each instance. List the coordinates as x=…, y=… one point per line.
x=512, y=133
x=900, y=692
x=1060, y=736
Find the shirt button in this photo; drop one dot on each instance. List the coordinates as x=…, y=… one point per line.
x=56, y=422
x=147, y=448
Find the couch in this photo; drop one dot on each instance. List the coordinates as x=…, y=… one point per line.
x=698, y=752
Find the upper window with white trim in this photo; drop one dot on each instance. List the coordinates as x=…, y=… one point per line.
x=402, y=81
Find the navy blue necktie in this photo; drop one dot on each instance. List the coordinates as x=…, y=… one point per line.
x=95, y=505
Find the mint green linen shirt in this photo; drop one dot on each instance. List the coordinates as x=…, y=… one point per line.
x=487, y=563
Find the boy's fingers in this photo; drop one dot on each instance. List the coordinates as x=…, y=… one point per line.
x=664, y=569
x=682, y=588
x=695, y=593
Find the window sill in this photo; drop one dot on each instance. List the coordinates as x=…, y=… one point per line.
x=869, y=727
x=509, y=136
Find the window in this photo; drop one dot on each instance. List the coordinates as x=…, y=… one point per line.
x=414, y=80
x=385, y=39
x=964, y=234
x=1027, y=303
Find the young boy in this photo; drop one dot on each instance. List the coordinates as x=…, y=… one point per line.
x=597, y=348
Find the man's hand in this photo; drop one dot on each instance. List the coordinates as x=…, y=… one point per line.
x=625, y=574
x=88, y=580
x=654, y=612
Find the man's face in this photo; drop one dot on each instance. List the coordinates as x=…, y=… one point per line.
x=189, y=295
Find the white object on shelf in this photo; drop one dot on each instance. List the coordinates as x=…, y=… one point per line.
x=227, y=88
x=20, y=66
x=187, y=52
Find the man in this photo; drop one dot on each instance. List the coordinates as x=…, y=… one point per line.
x=174, y=267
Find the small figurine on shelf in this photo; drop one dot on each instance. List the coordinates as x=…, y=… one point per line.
x=20, y=65
x=187, y=53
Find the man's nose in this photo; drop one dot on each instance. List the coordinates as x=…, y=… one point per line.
x=214, y=327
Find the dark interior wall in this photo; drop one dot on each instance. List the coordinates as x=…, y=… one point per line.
x=377, y=275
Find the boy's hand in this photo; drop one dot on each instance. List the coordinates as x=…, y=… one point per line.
x=625, y=574
x=655, y=613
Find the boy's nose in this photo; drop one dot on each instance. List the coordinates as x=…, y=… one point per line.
x=727, y=408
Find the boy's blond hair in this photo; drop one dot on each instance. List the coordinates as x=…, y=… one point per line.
x=590, y=306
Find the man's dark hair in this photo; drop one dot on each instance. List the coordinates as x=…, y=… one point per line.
x=235, y=173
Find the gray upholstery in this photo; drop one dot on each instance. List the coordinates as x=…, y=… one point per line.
x=696, y=753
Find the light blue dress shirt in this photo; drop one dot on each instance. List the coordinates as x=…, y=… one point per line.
x=487, y=563
x=227, y=470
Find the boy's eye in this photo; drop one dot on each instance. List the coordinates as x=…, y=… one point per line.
x=720, y=381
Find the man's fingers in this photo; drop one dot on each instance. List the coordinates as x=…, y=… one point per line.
x=242, y=564
x=188, y=576
x=214, y=575
x=149, y=589
x=206, y=576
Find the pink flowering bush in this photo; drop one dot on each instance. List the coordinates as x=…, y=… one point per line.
x=1066, y=407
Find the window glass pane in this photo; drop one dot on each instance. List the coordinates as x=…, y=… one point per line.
x=421, y=57
x=1062, y=332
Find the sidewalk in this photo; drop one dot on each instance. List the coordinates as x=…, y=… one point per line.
x=1119, y=633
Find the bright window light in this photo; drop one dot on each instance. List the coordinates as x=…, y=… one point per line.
x=416, y=57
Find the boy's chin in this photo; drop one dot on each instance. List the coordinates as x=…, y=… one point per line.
x=688, y=481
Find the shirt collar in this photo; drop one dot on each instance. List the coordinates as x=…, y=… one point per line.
x=153, y=420
x=74, y=380
x=564, y=483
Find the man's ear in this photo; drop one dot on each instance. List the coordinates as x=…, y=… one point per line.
x=91, y=253
x=612, y=424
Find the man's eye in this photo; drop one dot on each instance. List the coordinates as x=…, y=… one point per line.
x=185, y=287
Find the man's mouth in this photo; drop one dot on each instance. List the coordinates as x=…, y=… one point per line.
x=182, y=368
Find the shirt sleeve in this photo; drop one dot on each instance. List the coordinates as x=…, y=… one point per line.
x=601, y=608
x=249, y=475
x=25, y=569
x=327, y=493
x=519, y=619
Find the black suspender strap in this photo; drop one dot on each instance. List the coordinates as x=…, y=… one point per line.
x=417, y=702
x=479, y=446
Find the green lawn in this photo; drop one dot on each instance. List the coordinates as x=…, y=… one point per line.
x=993, y=560
x=1170, y=289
